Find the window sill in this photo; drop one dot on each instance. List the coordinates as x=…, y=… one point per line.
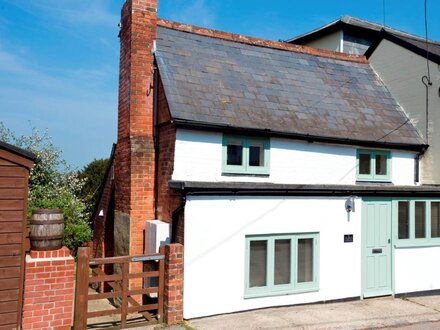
x=412, y=244
x=388, y=181
x=258, y=175
x=280, y=293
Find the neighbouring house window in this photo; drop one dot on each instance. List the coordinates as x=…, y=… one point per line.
x=418, y=222
x=245, y=155
x=373, y=165
x=281, y=264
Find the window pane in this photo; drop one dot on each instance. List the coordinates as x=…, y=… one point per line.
x=257, y=263
x=364, y=164
x=381, y=164
x=403, y=220
x=235, y=154
x=435, y=219
x=420, y=220
x=305, y=260
x=256, y=155
x=282, y=261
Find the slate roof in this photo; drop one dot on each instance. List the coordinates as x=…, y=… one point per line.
x=233, y=84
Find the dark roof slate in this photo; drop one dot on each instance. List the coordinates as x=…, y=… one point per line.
x=232, y=84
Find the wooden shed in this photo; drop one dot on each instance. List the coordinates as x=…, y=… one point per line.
x=15, y=165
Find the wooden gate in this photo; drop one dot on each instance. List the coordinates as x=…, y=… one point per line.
x=127, y=299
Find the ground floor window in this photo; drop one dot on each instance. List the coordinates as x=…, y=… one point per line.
x=418, y=221
x=281, y=264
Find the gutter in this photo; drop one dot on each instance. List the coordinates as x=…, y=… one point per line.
x=155, y=136
x=269, y=189
x=297, y=136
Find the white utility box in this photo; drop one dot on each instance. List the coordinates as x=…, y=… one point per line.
x=157, y=233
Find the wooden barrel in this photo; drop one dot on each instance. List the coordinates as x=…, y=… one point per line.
x=46, y=229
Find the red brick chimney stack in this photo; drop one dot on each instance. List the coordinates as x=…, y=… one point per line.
x=134, y=159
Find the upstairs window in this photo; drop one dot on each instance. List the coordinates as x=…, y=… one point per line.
x=373, y=165
x=245, y=155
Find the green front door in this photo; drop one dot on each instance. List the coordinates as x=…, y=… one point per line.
x=376, y=248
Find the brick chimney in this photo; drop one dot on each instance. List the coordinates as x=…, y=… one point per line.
x=134, y=158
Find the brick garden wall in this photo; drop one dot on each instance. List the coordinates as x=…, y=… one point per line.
x=48, y=290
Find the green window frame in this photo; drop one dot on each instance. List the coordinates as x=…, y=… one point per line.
x=422, y=225
x=299, y=280
x=373, y=175
x=246, y=144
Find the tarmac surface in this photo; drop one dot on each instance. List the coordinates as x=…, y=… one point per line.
x=416, y=313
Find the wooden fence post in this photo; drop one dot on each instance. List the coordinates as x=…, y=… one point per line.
x=82, y=287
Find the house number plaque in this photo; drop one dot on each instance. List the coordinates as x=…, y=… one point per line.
x=348, y=238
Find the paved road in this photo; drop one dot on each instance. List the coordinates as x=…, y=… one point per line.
x=420, y=313
x=387, y=312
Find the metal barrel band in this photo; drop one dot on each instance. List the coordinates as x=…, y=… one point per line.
x=43, y=238
x=46, y=222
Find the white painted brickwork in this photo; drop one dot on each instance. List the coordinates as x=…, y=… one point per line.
x=214, y=260
x=198, y=157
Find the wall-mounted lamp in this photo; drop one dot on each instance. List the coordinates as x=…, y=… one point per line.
x=349, y=204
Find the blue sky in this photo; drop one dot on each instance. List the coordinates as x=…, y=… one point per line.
x=59, y=58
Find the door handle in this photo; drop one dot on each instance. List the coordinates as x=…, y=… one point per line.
x=376, y=251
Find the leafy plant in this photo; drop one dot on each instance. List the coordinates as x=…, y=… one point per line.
x=53, y=183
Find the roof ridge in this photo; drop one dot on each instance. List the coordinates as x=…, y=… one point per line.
x=260, y=42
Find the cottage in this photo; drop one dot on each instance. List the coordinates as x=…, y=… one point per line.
x=290, y=174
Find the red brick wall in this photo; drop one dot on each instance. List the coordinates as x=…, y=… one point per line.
x=134, y=162
x=167, y=199
x=48, y=290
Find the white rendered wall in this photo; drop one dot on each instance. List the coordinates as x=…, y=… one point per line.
x=417, y=269
x=401, y=70
x=198, y=157
x=214, y=257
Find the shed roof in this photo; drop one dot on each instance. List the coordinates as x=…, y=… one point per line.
x=228, y=83
x=17, y=155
